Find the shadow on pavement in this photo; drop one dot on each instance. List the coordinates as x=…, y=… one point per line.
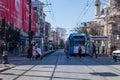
x=105, y=74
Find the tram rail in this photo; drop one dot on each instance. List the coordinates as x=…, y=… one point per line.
x=116, y=70
x=103, y=78
x=24, y=72
x=56, y=63
x=111, y=67
x=84, y=61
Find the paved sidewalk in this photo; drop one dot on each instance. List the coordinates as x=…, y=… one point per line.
x=4, y=67
x=45, y=53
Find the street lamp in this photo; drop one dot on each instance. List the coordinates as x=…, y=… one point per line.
x=30, y=36
x=29, y=32
x=4, y=45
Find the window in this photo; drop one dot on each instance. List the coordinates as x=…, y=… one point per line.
x=35, y=8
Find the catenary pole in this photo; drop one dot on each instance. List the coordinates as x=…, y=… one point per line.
x=30, y=36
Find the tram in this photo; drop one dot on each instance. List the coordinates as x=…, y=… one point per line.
x=74, y=40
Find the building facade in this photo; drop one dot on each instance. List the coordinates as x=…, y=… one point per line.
x=40, y=22
x=109, y=24
x=47, y=36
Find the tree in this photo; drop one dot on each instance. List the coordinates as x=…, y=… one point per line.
x=115, y=3
x=13, y=35
x=95, y=29
x=118, y=3
x=93, y=32
x=61, y=43
x=81, y=28
x=62, y=32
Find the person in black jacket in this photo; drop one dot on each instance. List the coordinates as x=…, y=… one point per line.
x=4, y=53
x=94, y=50
x=79, y=50
x=66, y=50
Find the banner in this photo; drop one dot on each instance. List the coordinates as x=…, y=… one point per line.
x=11, y=11
x=17, y=13
x=25, y=17
x=2, y=9
x=33, y=28
x=8, y=11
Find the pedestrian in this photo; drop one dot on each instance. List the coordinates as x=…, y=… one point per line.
x=94, y=50
x=5, y=51
x=103, y=49
x=1, y=48
x=67, y=51
x=98, y=48
x=111, y=50
x=79, y=50
x=39, y=53
x=33, y=52
x=114, y=48
x=30, y=51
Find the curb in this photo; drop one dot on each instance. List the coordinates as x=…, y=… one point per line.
x=4, y=67
x=44, y=54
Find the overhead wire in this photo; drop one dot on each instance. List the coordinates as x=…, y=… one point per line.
x=81, y=13
x=65, y=28
x=105, y=0
x=86, y=11
x=51, y=12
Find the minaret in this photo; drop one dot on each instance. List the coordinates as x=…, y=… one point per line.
x=97, y=7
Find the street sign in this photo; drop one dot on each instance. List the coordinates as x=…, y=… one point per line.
x=99, y=38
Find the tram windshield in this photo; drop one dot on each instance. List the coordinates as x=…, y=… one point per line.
x=78, y=40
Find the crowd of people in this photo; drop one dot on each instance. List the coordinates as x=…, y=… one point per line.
x=95, y=50
x=34, y=52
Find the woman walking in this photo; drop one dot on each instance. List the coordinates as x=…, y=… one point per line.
x=33, y=52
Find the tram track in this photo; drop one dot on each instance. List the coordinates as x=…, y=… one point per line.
x=116, y=70
x=110, y=67
x=94, y=71
x=53, y=72
x=85, y=61
x=56, y=63
x=24, y=72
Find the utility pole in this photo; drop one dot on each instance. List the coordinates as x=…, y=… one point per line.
x=30, y=35
x=106, y=28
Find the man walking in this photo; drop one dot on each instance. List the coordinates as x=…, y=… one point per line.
x=94, y=50
x=67, y=51
x=79, y=50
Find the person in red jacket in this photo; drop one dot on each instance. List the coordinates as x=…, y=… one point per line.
x=30, y=51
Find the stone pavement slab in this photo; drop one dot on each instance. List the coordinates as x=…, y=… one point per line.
x=4, y=67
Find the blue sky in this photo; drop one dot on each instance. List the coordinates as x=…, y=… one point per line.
x=68, y=13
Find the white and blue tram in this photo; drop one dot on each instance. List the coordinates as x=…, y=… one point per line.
x=74, y=40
